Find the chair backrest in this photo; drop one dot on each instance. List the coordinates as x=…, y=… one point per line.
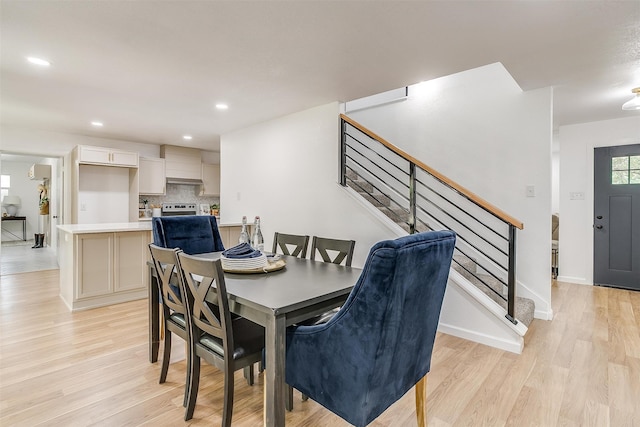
x=199, y=277
x=194, y=234
x=382, y=338
x=344, y=249
x=165, y=263
x=284, y=241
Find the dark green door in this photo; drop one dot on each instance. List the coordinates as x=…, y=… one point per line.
x=616, y=223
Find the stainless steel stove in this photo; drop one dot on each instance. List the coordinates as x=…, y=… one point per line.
x=173, y=209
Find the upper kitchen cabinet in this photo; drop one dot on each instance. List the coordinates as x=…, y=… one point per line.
x=101, y=186
x=106, y=156
x=210, y=180
x=151, y=174
x=182, y=162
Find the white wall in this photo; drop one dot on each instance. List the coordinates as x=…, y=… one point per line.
x=286, y=171
x=576, y=175
x=103, y=194
x=481, y=130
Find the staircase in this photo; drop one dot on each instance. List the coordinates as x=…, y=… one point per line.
x=418, y=198
x=468, y=268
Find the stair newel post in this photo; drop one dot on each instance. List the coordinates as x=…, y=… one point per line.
x=343, y=152
x=412, y=198
x=511, y=281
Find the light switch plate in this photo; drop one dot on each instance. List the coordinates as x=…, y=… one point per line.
x=531, y=190
x=576, y=195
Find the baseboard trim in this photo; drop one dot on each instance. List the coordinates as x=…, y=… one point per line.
x=510, y=346
x=575, y=280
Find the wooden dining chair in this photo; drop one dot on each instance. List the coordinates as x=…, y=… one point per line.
x=222, y=341
x=341, y=249
x=174, y=311
x=285, y=241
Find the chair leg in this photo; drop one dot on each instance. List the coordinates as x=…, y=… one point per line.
x=304, y=397
x=193, y=387
x=421, y=406
x=227, y=411
x=166, y=356
x=188, y=375
x=288, y=403
x=248, y=374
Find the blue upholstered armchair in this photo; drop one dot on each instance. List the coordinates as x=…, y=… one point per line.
x=379, y=345
x=194, y=234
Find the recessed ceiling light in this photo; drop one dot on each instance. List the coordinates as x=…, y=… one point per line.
x=187, y=137
x=97, y=124
x=38, y=61
x=222, y=106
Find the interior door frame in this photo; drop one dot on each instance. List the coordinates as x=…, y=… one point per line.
x=56, y=194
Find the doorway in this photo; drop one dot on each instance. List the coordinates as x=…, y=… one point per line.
x=17, y=254
x=616, y=223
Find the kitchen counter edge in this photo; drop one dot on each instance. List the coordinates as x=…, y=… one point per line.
x=105, y=228
x=114, y=227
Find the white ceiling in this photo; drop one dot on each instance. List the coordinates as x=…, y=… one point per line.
x=154, y=70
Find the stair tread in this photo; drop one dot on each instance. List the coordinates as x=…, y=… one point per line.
x=524, y=307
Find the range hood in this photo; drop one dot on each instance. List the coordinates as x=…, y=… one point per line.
x=184, y=181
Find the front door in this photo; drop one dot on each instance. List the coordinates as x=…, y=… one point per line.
x=616, y=223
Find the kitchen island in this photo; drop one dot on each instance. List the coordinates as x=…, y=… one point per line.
x=104, y=264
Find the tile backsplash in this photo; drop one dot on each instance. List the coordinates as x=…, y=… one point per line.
x=181, y=193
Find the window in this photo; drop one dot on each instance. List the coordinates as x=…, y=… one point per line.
x=625, y=170
x=5, y=183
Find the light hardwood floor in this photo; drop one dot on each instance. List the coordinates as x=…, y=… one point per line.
x=90, y=368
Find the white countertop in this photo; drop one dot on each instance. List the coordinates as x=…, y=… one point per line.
x=106, y=228
x=116, y=227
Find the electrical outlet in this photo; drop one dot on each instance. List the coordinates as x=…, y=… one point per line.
x=576, y=195
x=83, y=207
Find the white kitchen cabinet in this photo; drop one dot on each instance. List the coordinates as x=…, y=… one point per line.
x=99, y=192
x=151, y=175
x=103, y=268
x=210, y=180
x=182, y=162
x=106, y=156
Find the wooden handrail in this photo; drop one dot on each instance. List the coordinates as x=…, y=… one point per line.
x=459, y=188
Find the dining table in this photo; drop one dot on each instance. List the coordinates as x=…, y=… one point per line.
x=275, y=300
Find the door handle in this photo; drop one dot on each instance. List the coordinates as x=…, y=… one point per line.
x=598, y=227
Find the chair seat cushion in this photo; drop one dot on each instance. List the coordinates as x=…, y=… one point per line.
x=178, y=319
x=248, y=339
